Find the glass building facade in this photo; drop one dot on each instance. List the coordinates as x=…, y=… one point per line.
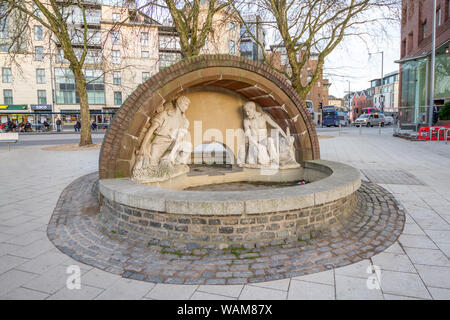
x=415, y=86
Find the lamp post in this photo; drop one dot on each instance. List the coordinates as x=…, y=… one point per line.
x=381, y=79
x=433, y=65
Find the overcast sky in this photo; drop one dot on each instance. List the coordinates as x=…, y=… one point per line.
x=351, y=62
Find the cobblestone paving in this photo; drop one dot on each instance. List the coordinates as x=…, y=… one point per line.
x=74, y=230
x=391, y=177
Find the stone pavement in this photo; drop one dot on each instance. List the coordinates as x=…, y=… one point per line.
x=415, y=267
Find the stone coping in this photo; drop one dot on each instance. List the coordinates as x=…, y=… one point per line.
x=343, y=180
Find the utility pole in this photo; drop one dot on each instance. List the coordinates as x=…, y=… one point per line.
x=433, y=66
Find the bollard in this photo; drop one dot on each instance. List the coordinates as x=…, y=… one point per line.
x=360, y=129
x=379, y=128
x=340, y=127
x=446, y=135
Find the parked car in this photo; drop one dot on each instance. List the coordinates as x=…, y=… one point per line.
x=370, y=120
x=389, y=120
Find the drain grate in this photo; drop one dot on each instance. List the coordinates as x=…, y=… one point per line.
x=391, y=177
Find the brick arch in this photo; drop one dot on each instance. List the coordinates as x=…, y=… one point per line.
x=253, y=80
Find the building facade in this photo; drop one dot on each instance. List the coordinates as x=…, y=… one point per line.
x=385, y=96
x=415, y=60
x=38, y=85
x=359, y=102
x=318, y=94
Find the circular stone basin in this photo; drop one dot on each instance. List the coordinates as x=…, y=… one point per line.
x=242, y=186
x=166, y=214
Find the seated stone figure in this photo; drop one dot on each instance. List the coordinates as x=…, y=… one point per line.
x=276, y=150
x=164, y=153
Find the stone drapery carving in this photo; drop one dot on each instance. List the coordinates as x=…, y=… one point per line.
x=164, y=153
x=268, y=145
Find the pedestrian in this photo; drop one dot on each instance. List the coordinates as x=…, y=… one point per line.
x=435, y=115
x=94, y=126
x=58, y=125
x=77, y=126
x=46, y=125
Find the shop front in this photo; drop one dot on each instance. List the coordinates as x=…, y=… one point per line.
x=415, y=87
x=42, y=113
x=16, y=113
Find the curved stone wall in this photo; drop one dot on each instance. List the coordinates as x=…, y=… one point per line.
x=252, y=80
x=219, y=220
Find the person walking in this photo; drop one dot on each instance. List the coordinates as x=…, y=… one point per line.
x=58, y=125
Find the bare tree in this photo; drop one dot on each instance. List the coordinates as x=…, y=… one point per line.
x=68, y=23
x=312, y=28
x=193, y=21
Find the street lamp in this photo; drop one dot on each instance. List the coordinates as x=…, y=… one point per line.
x=381, y=79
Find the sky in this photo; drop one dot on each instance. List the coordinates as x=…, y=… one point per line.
x=351, y=62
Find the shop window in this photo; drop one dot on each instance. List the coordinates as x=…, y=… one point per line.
x=6, y=75
x=40, y=75
x=7, y=96
x=42, y=97
x=145, y=54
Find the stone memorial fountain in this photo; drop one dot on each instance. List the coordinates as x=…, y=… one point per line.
x=260, y=187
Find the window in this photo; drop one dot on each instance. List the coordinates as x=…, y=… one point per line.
x=116, y=17
x=3, y=28
x=117, y=78
x=145, y=76
x=167, y=59
x=168, y=42
x=42, y=97
x=232, y=47
x=66, y=87
x=438, y=17
x=117, y=98
x=448, y=9
x=144, y=38
x=232, y=26
x=40, y=75
x=424, y=30
x=7, y=96
x=6, y=75
x=39, y=53
x=144, y=54
x=116, y=56
x=38, y=35
x=115, y=37
x=37, y=12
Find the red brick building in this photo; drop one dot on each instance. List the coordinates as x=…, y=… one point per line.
x=319, y=91
x=359, y=102
x=415, y=62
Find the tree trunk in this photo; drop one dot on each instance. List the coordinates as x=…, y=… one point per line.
x=85, y=132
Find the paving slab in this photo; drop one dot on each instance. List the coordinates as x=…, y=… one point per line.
x=302, y=290
x=350, y=288
x=403, y=284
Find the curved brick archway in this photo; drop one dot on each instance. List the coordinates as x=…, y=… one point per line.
x=252, y=80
